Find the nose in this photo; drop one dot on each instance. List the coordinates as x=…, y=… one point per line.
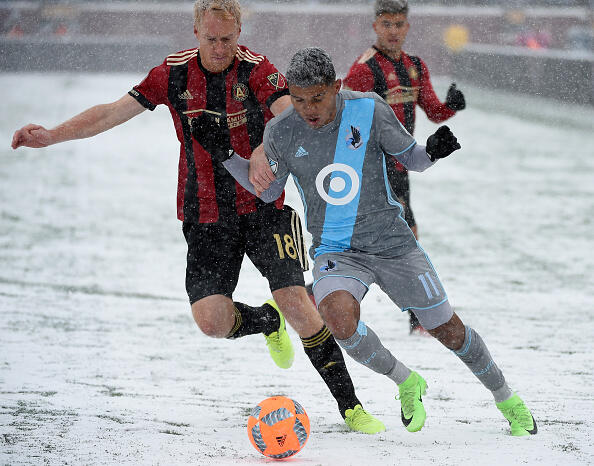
x=311, y=105
x=219, y=48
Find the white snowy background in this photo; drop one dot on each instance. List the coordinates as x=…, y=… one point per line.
x=101, y=362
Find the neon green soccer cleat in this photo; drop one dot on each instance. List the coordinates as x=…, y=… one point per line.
x=412, y=410
x=279, y=344
x=519, y=417
x=360, y=420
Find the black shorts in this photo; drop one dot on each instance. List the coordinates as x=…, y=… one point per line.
x=270, y=237
x=401, y=187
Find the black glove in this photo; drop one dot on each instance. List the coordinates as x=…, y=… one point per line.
x=212, y=136
x=455, y=99
x=441, y=143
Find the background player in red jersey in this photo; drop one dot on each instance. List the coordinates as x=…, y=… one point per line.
x=220, y=97
x=403, y=81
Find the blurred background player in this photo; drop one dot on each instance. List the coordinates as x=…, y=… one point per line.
x=220, y=96
x=403, y=81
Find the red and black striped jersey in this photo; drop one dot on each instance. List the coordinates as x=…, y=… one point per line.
x=403, y=83
x=238, y=100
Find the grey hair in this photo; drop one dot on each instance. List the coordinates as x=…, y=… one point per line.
x=309, y=67
x=391, y=7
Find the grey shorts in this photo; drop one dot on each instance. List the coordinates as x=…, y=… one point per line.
x=410, y=281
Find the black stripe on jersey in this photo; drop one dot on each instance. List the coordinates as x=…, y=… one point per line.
x=380, y=86
x=254, y=114
x=178, y=79
x=409, y=107
x=277, y=95
x=216, y=100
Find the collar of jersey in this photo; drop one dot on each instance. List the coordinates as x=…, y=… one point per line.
x=206, y=72
x=393, y=60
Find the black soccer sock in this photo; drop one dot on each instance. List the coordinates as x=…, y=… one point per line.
x=326, y=356
x=250, y=320
x=414, y=322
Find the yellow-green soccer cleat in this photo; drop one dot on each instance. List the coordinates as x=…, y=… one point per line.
x=410, y=394
x=519, y=417
x=279, y=344
x=360, y=420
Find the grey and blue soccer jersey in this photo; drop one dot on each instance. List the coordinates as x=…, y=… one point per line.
x=340, y=172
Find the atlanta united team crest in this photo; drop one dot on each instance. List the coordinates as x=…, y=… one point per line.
x=277, y=80
x=240, y=92
x=413, y=73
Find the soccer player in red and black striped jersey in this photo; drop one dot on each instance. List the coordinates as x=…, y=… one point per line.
x=403, y=81
x=220, y=97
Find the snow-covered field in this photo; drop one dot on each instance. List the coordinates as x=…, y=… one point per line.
x=101, y=362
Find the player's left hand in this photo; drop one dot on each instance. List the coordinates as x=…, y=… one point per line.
x=441, y=143
x=455, y=99
x=260, y=174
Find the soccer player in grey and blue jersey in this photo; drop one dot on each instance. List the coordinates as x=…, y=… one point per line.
x=335, y=144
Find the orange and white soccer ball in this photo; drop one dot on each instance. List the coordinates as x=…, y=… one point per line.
x=278, y=427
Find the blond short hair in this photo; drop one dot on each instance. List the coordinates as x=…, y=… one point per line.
x=230, y=8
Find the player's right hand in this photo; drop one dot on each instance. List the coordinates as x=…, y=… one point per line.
x=260, y=174
x=31, y=136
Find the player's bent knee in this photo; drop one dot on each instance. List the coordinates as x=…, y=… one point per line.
x=340, y=311
x=451, y=334
x=213, y=316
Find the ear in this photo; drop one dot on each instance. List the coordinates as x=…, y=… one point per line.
x=196, y=31
x=337, y=85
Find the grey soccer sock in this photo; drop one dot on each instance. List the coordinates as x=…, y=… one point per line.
x=476, y=356
x=365, y=347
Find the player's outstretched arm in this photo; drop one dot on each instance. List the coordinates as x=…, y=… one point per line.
x=89, y=123
x=439, y=145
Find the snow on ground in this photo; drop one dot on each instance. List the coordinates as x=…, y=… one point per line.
x=101, y=363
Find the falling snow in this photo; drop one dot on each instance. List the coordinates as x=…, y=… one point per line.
x=101, y=362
